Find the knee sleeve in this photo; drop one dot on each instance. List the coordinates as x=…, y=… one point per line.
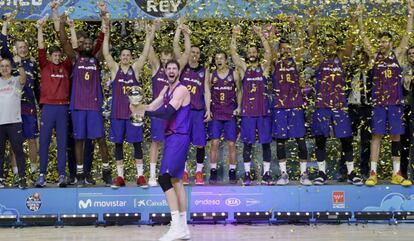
x=201, y=153
x=165, y=182
x=320, y=142
x=137, y=150
x=281, y=149
x=247, y=152
x=347, y=149
x=396, y=148
x=267, y=154
x=302, y=149
x=119, y=151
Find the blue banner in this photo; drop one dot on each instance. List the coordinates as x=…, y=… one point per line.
x=195, y=9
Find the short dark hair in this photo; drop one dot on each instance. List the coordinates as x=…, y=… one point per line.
x=410, y=48
x=284, y=41
x=385, y=34
x=166, y=50
x=173, y=61
x=54, y=49
x=81, y=33
x=19, y=40
x=125, y=48
x=220, y=51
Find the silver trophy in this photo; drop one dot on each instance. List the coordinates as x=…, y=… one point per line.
x=107, y=106
x=135, y=96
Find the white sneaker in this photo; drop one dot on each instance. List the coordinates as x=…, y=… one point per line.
x=187, y=234
x=175, y=232
x=152, y=182
x=304, y=180
x=283, y=180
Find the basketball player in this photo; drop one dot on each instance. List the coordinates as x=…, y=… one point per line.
x=225, y=104
x=159, y=81
x=173, y=105
x=195, y=77
x=255, y=110
x=387, y=99
x=123, y=77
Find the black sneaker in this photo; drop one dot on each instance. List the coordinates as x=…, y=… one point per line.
x=213, y=176
x=2, y=183
x=62, y=181
x=267, y=179
x=232, y=176
x=15, y=180
x=342, y=178
x=106, y=177
x=81, y=180
x=22, y=183
x=89, y=179
x=321, y=179
x=354, y=179
x=247, y=179
x=72, y=180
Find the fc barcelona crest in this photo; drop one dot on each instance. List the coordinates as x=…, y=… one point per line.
x=201, y=74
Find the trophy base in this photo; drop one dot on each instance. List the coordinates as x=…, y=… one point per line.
x=137, y=124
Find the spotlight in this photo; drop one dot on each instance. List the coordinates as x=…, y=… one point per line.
x=160, y=218
x=120, y=218
x=39, y=219
x=79, y=219
x=373, y=215
x=209, y=216
x=8, y=220
x=252, y=216
x=332, y=216
x=293, y=216
x=404, y=216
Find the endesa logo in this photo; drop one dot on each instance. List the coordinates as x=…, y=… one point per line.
x=207, y=202
x=233, y=202
x=83, y=204
x=338, y=199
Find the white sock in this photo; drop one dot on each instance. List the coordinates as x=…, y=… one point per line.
x=199, y=167
x=266, y=167
x=140, y=169
x=213, y=165
x=303, y=167
x=33, y=167
x=232, y=166
x=374, y=166
x=396, y=165
x=15, y=170
x=79, y=168
x=247, y=166
x=153, y=167
x=175, y=217
x=322, y=166
x=350, y=167
x=282, y=166
x=120, y=170
x=183, y=218
x=185, y=167
x=105, y=165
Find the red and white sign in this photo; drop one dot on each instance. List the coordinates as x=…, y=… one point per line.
x=338, y=199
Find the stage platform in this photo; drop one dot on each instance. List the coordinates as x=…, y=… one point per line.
x=219, y=199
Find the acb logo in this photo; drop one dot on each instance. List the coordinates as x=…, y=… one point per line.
x=161, y=8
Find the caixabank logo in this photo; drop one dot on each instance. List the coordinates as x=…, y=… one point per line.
x=161, y=8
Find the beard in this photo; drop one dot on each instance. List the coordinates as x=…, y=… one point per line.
x=86, y=53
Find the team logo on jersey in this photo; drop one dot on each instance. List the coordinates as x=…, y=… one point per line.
x=336, y=61
x=33, y=203
x=161, y=8
x=214, y=80
x=257, y=70
x=91, y=60
x=129, y=72
x=31, y=64
x=230, y=78
x=201, y=74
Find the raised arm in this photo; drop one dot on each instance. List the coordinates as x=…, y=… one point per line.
x=187, y=44
x=367, y=44
x=207, y=96
x=233, y=50
x=149, y=38
x=22, y=73
x=112, y=65
x=345, y=55
x=176, y=42
x=73, y=36
x=268, y=51
x=5, y=51
x=313, y=45
x=238, y=92
x=64, y=41
x=55, y=15
x=402, y=48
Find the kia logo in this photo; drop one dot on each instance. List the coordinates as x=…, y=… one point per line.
x=233, y=202
x=161, y=8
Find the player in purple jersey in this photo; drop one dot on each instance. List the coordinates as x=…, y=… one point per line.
x=288, y=107
x=331, y=103
x=29, y=109
x=85, y=105
x=225, y=103
x=123, y=77
x=195, y=77
x=159, y=81
x=173, y=105
x=387, y=99
x=255, y=111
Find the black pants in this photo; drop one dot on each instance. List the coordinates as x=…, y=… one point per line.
x=361, y=120
x=13, y=133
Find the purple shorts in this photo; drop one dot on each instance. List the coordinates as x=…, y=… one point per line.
x=324, y=118
x=288, y=123
x=157, y=129
x=217, y=127
x=262, y=124
x=87, y=124
x=175, y=154
x=387, y=120
x=197, y=128
x=30, y=127
x=121, y=130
